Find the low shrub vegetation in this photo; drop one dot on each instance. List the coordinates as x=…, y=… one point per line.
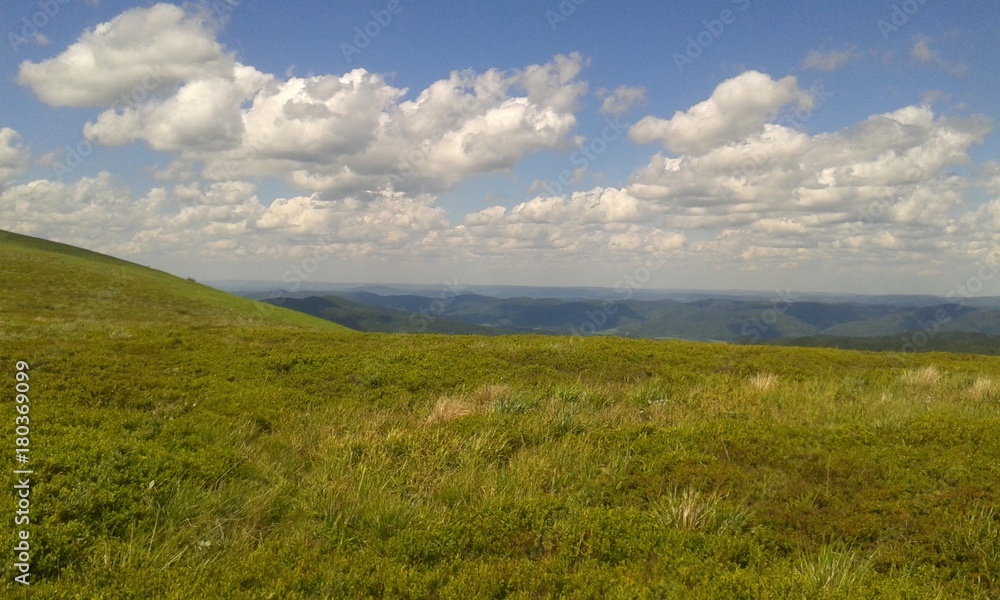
x=227, y=452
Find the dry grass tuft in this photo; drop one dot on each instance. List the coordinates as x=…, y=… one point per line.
x=763, y=381
x=692, y=510
x=983, y=388
x=448, y=409
x=924, y=377
x=687, y=510
x=490, y=394
x=486, y=398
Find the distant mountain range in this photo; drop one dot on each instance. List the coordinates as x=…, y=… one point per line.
x=363, y=317
x=909, y=325
x=263, y=289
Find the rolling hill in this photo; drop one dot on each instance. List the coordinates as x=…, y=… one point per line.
x=50, y=283
x=703, y=319
x=363, y=317
x=186, y=443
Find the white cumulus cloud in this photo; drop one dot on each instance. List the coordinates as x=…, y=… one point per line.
x=738, y=107
x=13, y=156
x=143, y=51
x=165, y=80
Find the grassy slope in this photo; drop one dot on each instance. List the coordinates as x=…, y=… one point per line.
x=971, y=343
x=230, y=453
x=50, y=284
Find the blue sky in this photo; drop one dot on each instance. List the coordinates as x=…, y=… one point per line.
x=734, y=144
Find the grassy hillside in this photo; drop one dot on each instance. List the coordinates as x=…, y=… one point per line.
x=186, y=444
x=49, y=287
x=968, y=343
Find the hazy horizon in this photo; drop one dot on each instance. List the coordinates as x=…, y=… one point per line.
x=449, y=288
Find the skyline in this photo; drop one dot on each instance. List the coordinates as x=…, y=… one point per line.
x=730, y=145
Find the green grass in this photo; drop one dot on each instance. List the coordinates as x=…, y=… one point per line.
x=54, y=289
x=232, y=453
x=968, y=343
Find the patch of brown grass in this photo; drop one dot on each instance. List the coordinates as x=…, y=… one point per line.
x=983, y=388
x=763, y=381
x=928, y=376
x=490, y=394
x=448, y=408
